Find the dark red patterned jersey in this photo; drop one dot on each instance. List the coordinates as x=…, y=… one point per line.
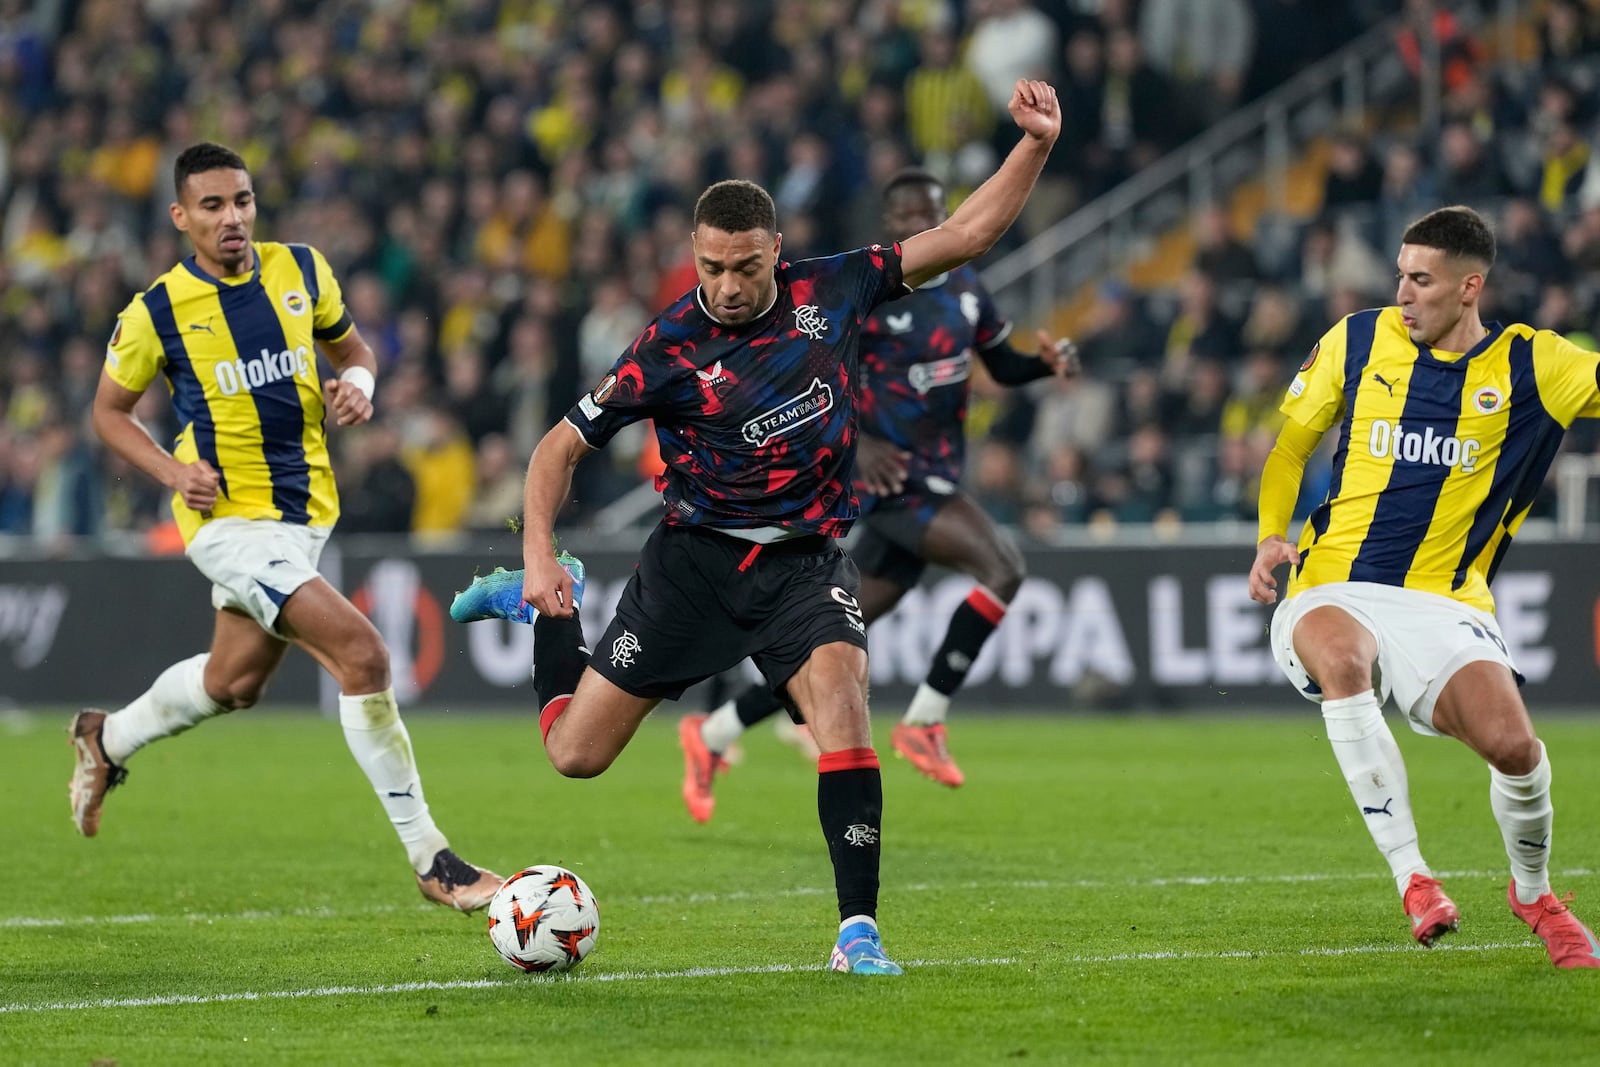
x=916, y=361
x=757, y=423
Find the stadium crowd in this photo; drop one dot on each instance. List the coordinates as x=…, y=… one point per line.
x=504, y=187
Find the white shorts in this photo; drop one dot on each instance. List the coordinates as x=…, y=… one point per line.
x=1423, y=639
x=254, y=564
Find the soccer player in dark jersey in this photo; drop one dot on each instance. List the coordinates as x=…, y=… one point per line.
x=1447, y=426
x=751, y=380
x=234, y=330
x=916, y=356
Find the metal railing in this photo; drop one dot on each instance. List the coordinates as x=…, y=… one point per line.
x=1261, y=140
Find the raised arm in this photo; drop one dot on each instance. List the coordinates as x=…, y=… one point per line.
x=991, y=209
x=125, y=435
x=546, y=585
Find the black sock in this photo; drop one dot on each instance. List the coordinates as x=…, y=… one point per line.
x=970, y=627
x=850, y=807
x=755, y=704
x=559, y=656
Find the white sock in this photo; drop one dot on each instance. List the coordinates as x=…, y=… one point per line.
x=176, y=701
x=1376, y=775
x=1521, y=806
x=721, y=728
x=928, y=707
x=380, y=744
x=869, y=920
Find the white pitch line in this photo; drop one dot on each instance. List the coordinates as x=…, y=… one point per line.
x=27, y=922
x=186, y=999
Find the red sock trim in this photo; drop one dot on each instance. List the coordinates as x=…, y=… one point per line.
x=987, y=604
x=550, y=713
x=755, y=550
x=847, y=759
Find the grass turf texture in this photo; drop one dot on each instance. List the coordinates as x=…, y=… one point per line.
x=1135, y=890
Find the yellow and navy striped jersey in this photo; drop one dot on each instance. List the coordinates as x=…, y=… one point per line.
x=1440, y=454
x=239, y=355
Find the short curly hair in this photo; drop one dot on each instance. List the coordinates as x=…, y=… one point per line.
x=199, y=158
x=735, y=206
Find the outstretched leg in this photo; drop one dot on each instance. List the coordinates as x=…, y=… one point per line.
x=229, y=677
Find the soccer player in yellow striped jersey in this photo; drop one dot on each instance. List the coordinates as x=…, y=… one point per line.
x=1446, y=427
x=235, y=330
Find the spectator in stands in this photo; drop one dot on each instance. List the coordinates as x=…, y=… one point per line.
x=997, y=481
x=1138, y=488
x=1407, y=192
x=441, y=461
x=382, y=494
x=1009, y=39
x=1334, y=257
x=1074, y=414
x=1353, y=178
x=1530, y=257
x=19, y=477
x=1459, y=53
x=1468, y=173
x=1276, y=322
x=1141, y=115
x=1563, y=160
x=1204, y=46
x=1119, y=334
x=1200, y=329
x=946, y=106
x=497, y=500
x=1229, y=262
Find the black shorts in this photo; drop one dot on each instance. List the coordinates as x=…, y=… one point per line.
x=701, y=601
x=889, y=545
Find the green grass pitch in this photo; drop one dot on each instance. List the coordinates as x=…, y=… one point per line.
x=1146, y=889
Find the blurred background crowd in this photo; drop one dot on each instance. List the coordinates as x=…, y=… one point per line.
x=504, y=188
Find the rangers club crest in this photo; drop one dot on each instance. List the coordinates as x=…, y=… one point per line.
x=809, y=321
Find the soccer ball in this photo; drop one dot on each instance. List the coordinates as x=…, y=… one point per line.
x=544, y=919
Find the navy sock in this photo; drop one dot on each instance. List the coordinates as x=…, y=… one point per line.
x=850, y=807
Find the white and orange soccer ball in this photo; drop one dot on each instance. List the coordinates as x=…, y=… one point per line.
x=543, y=918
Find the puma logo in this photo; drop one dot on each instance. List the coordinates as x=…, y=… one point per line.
x=1379, y=811
x=1381, y=380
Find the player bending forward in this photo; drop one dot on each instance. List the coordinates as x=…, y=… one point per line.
x=917, y=356
x=1446, y=429
x=235, y=329
x=751, y=380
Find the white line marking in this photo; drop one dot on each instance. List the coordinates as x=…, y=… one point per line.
x=1201, y=881
x=183, y=999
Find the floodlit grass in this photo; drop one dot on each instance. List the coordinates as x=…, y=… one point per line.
x=1121, y=890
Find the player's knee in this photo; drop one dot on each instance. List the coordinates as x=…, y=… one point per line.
x=1514, y=752
x=242, y=692
x=365, y=667
x=1009, y=571
x=1340, y=669
x=576, y=761
x=1001, y=571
